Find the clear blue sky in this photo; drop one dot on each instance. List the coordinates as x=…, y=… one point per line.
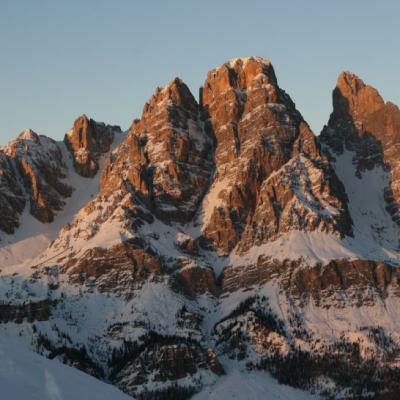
x=59, y=59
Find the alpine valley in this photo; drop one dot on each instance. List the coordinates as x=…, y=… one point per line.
x=217, y=249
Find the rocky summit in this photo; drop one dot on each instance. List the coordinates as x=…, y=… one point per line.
x=215, y=241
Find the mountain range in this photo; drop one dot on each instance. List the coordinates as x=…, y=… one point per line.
x=215, y=244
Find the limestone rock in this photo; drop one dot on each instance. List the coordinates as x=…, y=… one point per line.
x=361, y=122
x=87, y=141
x=12, y=199
x=258, y=130
x=166, y=158
x=39, y=163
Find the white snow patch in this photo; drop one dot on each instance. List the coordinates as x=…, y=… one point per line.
x=213, y=199
x=315, y=247
x=372, y=223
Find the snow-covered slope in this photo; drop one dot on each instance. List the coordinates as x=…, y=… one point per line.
x=251, y=386
x=24, y=375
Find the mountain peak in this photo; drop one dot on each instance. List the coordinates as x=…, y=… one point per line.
x=28, y=134
x=352, y=97
x=244, y=60
x=82, y=118
x=350, y=81
x=175, y=83
x=175, y=92
x=87, y=140
x=171, y=152
x=241, y=73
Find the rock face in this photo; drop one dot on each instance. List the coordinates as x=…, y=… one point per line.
x=12, y=199
x=361, y=122
x=360, y=282
x=224, y=235
x=296, y=198
x=114, y=270
x=166, y=158
x=41, y=170
x=164, y=359
x=34, y=170
x=267, y=160
x=195, y=281
x=87, y=141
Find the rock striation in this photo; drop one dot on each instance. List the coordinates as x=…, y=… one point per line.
x=166, y=158
x=39, y=172
x=267, y=161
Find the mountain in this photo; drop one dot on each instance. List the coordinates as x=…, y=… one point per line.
x=214, y=245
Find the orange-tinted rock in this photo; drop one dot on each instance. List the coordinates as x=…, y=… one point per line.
x=87, y=141
x=40, y=165
x=337, y=283
x=166, y=158
x=118, y=269
x=354, y=97
x=363, y=123
x=296, y=198
x=257, y=131
x=194, y=281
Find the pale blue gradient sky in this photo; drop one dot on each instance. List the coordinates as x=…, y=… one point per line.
x=59, y=59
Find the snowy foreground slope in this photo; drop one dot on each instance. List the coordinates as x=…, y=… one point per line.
x=25, y=375
x=214, y=250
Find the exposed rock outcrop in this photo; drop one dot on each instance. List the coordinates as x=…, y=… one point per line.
x=363, y=123
x=12, y=199
x=194, y=281
x=87, y=141
x=335, y=284
x=257, y=132
x=118, y=269
x=40, y=165
x=166, y=157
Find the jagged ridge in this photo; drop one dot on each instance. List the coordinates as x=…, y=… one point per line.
x=224, y=236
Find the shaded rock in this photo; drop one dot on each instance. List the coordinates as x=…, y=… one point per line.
x=363, y=123
x=194, y=281
x=12, y=199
